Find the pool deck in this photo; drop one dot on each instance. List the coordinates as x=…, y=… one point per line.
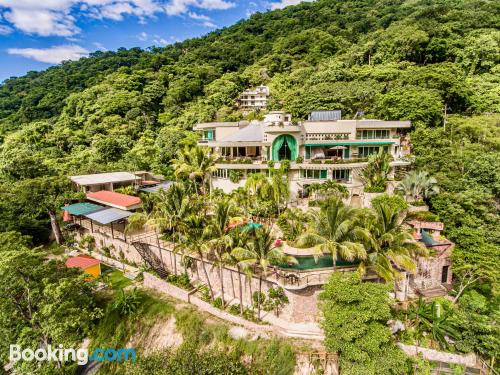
x=295, y=251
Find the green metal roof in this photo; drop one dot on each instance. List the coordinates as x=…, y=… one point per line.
x=337, y=143
x=82, y=208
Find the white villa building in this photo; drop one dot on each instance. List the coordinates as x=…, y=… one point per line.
x=324, y=147
x=255, y=99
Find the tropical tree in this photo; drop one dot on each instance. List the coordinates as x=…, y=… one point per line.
x=390, y=246
x=434, y=318
x=192, y=240
x=328, y=189
x=279, y=189
x=355, y=325
x=417, y=185
x=197, y=164
x=239, y=238
x=336, y=229
x=219, y=240
x=292, y=223
x=260, y=252
x=258, y=186
x=375, y=174
x=171, y=210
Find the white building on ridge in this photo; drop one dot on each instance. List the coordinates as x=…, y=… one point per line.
x=254, y=99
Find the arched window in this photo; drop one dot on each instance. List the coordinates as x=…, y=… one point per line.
x=285, y=148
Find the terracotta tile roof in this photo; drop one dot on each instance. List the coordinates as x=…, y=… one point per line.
x=114, y=199
x=81, y=261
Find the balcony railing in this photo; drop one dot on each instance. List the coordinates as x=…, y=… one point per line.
x=335, y=161
x=241, y=160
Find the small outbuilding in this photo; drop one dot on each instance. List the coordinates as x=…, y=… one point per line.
x=86, y=263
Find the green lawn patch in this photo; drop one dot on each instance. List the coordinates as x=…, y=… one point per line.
x=117, y=280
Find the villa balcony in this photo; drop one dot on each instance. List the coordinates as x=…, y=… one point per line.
x=242, y=160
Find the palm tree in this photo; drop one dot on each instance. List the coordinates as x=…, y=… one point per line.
x=219, y=239
x=239, y=238
x=328, y=189
x=172, y=208
x=336, y=229
x=279, y=189
x=191, y=240
x=375, y=174
x=197, y=164
x=390, y=246
x=260, y=252
x=417, y=185
x=258, y=185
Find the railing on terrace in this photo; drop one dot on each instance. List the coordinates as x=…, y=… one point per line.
x=327, y=136
x=335, y=160
x=290, y=278
x=241, y=160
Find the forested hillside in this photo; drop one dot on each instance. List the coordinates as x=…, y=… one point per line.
x=434, y=62
x=387, y=59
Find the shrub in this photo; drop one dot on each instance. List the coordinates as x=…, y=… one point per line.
x=234, y=309
x=299, y=160
x=424, y=216
x=204, y=293
x=418, y=203
x=182, y=281
x=127, y=302
x=316, y=162
x=235, y=175
x=285, y=166
x=217, y=302
x=394, y=201
x=374, y=189
x=255, y=298
x=270, y=164
x=276, y=300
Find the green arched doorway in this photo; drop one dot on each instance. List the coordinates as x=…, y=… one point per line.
x=285, y=148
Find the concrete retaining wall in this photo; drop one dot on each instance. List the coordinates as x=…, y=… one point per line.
x=435, y=355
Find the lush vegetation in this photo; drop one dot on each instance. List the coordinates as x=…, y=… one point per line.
x=355, y=326
x=134, y=109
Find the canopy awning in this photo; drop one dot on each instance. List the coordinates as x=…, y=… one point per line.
x=154, y=189
x=343, y=143
x=108, y=215
x=81, y=208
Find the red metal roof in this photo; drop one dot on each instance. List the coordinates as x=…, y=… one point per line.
x=82, y=261
x=113, y=198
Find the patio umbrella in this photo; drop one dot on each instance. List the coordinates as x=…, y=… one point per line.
x=338, y=148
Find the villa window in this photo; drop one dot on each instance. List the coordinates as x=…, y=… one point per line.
x=314, y=174
x=373, y=134
x=225, y=151
x=208, y=135
x=341, y=174
x=366, y=151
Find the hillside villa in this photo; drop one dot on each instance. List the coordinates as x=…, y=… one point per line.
x=324, y=147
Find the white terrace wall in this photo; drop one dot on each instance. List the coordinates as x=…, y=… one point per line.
x=303, y=303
